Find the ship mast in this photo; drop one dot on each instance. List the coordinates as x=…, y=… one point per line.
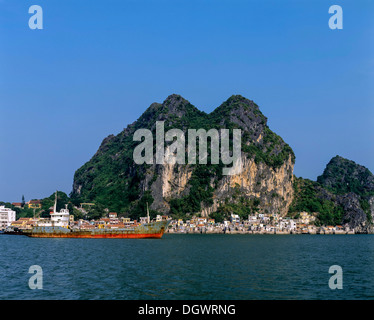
x=55, y=205
x=148, y=214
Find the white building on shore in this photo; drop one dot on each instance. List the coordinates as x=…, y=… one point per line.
x=7, y=216
x=235, y=218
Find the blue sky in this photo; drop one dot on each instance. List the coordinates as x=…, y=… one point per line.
x=97, y=65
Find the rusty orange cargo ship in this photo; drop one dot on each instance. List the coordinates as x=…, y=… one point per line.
x=147, y=230
x=58, y=227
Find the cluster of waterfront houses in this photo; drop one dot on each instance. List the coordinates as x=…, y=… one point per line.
x=254, y=224
x=257, y=224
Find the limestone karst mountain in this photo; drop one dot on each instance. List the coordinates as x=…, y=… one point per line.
x=265, y=183
x=343, y=194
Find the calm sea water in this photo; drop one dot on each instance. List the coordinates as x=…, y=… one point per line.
x=189, y=267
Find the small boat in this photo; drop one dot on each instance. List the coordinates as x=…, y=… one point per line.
x=12, y=231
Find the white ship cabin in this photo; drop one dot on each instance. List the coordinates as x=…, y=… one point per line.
x=58, y=219
x=61, y=219
x=143, y=220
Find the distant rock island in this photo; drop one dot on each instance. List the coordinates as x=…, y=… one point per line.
x=343, y=194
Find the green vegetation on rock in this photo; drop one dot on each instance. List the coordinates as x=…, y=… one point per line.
x=340, y=195
x=112, y=179
x=310, y=198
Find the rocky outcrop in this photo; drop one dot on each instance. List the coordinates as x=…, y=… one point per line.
x=343, y=175
x=112, y=178
x=351, y=186
x=354, y=216
x=273, y=187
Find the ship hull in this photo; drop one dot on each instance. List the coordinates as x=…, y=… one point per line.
x=89, y=235
x=150, y=230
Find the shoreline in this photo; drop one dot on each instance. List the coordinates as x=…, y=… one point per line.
x=269, y=232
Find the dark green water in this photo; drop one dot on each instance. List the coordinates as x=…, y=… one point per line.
x=189, y=267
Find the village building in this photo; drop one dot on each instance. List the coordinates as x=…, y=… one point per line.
x=112, y=215
x=34, y=204
x=7, y=216
x=234, y=218
x=17, y=204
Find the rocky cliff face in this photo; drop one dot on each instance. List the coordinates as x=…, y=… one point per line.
x=353, y=187
x=264, y=184
x=343, y=194
x=272, y=186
